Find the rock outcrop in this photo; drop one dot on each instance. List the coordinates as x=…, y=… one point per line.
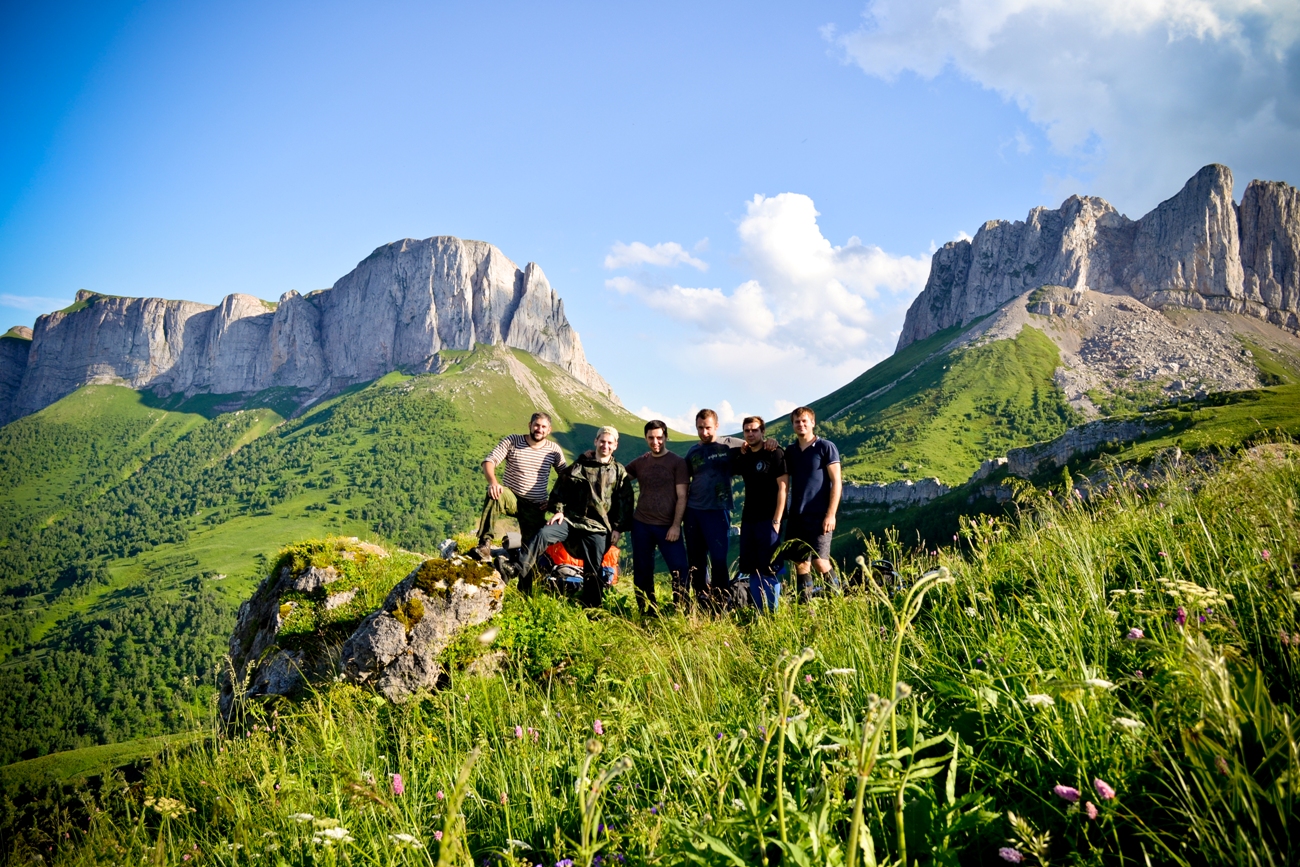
x=893, y=495
x=15, y=345
x=1197, y=250
x=396, y=648
x=396, y=310
x=1082, y=440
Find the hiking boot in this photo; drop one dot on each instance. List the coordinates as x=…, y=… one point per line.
x=482, y=553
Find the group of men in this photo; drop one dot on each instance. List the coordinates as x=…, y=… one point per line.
x=683, y=509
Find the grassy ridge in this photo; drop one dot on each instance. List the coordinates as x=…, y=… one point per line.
x=1134, y=653
x=927, y=412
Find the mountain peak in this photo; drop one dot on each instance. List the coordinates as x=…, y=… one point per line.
x=397, y=310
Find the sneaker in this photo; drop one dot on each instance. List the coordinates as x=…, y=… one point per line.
x=482, y=552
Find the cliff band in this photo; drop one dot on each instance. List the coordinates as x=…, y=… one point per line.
x=1198, y=250
x=396, y=310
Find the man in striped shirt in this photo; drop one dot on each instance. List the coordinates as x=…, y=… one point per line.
x=529, y=458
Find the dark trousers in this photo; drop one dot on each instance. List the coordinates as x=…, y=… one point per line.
x=531, y=516
x=588, y=547
x=706, y=550
x=645, y=539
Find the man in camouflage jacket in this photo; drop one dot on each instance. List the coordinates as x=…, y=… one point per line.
x=593, y=503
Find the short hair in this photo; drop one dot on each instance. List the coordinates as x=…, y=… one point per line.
x=659, y=424
x=539, y=415
x=608, y=430
x=803, y=410
x=706, y=413
x=762, y=426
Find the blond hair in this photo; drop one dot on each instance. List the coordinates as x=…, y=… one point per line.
x=607, y=430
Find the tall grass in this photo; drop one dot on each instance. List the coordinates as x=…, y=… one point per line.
x=1107, y=682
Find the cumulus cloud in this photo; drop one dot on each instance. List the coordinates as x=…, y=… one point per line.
x=728, y=418
x=812, y=316
x=1141, y=92
x=664, y=255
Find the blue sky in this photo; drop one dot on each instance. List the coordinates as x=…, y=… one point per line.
x=736, y=201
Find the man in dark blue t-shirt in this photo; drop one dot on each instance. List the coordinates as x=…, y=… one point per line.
x=708, y=507
x=815, y=488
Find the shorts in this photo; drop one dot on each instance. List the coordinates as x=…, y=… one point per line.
x=803, y=532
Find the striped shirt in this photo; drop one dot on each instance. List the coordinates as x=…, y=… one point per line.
x=528, y=469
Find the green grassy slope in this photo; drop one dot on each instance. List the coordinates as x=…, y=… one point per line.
x=119, y=505
x=1119, y=675
x=943, y=413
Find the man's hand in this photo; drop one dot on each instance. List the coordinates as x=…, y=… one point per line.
x=674, y=533
x=494, y=490
x=776, y=526
x=769, y=444
x=557, y=518
x=614, y=536
x=828, y=525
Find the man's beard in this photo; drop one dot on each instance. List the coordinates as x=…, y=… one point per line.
x=535, y=436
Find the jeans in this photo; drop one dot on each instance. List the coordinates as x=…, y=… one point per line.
x=531, y=516
x=765, y=590
x=588, y=547
x=645, y=539
x=706, y=549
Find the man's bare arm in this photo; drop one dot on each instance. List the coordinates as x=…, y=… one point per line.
x=782, y=486
x=837, y=488
x=494, y=487
x=675, y=529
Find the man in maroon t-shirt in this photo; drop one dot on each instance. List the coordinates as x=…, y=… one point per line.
x=657, y=522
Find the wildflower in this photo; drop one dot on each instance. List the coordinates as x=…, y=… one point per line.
x=979, y=660
x=503, y=799
x=1286, y=639
x=1139, y=675
x=440, y=796
x=1134, y=634
x=337, y=834
x=564, y=862
x=762, y=731
x=1221, y=765
x=1098, y=683
x=1006, y=853
x=437, y=835
x=842, y=671
x=737, y=803
x=1265, y=554
x=1066, y=793
x=519, y=732
x=719, y=736
x=971, y=612
x=598, y=728
x=1104, y=790
x=489, y=636
x=1163, y=553
x=677, y=687
x=807, y=678
x=406, y=840
x=398, y=786
x=301, y=818
x=1090, y=809
x=1128, y=724
x=1038, y=699
x=1181, y=617
x=535, y=733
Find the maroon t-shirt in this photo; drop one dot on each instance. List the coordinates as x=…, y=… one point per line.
x=658, y=478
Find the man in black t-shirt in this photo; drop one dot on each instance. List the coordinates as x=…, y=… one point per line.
x=815, y=488
x=766, y=481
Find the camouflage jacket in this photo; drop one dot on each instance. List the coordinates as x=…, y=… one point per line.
x=593, y=496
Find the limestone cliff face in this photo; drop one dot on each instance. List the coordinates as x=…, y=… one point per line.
x=1195, y=250
x=396, y=310
x=15, y=345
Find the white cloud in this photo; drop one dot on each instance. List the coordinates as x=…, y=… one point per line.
x=812, y=316
x=664, y=255
x=728, y=418
x=33, y=303
x=1140, y=92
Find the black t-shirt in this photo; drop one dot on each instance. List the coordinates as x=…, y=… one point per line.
x=759, y=469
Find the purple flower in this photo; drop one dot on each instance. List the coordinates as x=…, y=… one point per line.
x=1139, y=675
x=1181, y=617
x=1006, y=853
x=440, y=796
x=1221, y=765
x=1265, y=554
x=564, y=862
x=719, y=735
x=398, y=786
x=1163, y=553
x=979, y=660
x=676, y=687
x=437, y=835
x=1066, y=793
x=1134, y=634
x=807, y=678
x=598, y=728
x=1090, y=809
x=519, y=731
x=1104, y=790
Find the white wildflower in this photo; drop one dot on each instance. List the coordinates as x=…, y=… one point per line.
x=842, y=671
x=737, y=803
x=1039, y=699
x=301, y=817
x=1098, y=683
x=1130, y=725
x=830, y=748
x=337, y=834
x=406, y=840
x=971, y=612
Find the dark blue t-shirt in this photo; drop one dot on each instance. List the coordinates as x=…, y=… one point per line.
x=810, y=483
x=710, y=465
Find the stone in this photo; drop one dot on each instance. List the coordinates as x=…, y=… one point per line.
x=396, y=648
x=402, y=305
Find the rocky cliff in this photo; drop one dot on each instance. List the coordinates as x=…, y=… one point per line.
x=396, y=310
x=1197, y=250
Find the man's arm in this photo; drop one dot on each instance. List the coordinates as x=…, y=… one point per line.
x=679, y=510
x=490, y=464
x=555, y=502
x=837, y=487
x=782, y=486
